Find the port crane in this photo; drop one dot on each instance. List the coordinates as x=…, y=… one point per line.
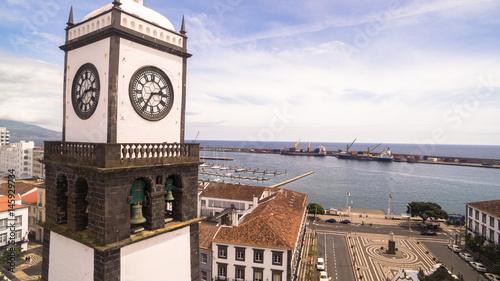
x=349, y=146
x=373, y=148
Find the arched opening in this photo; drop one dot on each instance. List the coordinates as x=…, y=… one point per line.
x=132, y=25
x=180, y=42
x=137, y=201
x=140, y=28
x=162, y=37
x=173, y=198
x=124, y=22
x=81, y=205
x=148, y=30
x=155, y=33
x=61, y=199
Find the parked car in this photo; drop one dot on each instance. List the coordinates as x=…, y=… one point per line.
x=321, y=264
x=345, y=221
x=323, y=276
x=428, y=232
x=331, y=220
x=454, y=248
x=478, y=266
x=492, y=277
x=466, y=256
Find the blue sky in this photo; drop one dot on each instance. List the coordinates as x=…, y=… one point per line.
x=380, y=71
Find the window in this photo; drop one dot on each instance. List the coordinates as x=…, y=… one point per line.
x=204, y=258
x=19, y=221
x=203, y=202
x=277, y=258
x=258, y=256
x=240, y=273
x=277, y=275
x=492, y=235
x=204, y=276
x=240, y=254
x=18, y=235
x=3, y=239
x=258, y=274
x=477, y=215
x=3, y=224
x=222, y=251
x=470, y=211
x=484, y=218
x=492, y=221
x=222, y=271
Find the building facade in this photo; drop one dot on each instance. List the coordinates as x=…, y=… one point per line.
x=18, y=156
x=121, y=186
x=4, y=136
x=483, y=218
x=266, y=243
x=13, y=223
x=38, y=170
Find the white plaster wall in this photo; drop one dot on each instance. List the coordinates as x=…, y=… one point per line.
x=90, y=26
x=132, y=128
x=70, y=260
x=231, y=261
x=93, y=129
x=164, y=257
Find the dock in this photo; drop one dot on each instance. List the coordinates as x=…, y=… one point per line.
x=294, y=179
x=216, y=158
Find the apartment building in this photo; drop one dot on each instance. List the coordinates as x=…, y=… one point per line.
x=483, y=218
x=18, y=156
x=4, y=136
x=16, y=214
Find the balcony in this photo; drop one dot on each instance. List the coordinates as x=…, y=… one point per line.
x=111, y=155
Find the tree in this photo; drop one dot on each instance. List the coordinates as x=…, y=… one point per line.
x=314, y=208
x=475, y=243
x=426, y=210
x=17, y=252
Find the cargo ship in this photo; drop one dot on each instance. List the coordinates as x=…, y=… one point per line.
x=384, y=156
x=320, y=151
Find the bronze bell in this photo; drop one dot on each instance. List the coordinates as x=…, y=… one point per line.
x=136, y=216
x=169, y=196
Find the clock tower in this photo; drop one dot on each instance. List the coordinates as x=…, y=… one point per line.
x=121, y=187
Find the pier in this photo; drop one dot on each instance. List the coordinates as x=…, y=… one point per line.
x=216, y=158
x=294, y=179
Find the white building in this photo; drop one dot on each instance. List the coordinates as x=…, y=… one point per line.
x=265, y=245
x=17, y=214
x=483, y=218
x=38, y=169
x=227, y=203
x=4, y=136
x=18, y=156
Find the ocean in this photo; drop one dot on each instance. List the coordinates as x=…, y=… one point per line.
x=370, y=183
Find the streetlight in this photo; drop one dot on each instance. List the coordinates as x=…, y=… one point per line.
x=350, y=216
x=409, y=220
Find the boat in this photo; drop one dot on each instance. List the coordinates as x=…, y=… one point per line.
x=319, y=151
x=384, y=156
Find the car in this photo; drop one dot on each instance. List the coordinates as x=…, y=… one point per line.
x=323, y=276
x=454, y=248
x=492, y=277
x=331, y=220
x=321, y=264
x=345, y=221
x=466, y=256
x=478, y=266
x=428, y=232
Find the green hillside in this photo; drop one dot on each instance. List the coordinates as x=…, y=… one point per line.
x=20, y=130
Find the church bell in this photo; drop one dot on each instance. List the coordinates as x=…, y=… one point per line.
x=136, y=216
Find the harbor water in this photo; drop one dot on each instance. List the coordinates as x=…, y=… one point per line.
x=371, y=183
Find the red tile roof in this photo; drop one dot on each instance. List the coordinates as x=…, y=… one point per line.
x=30, y=198
x=207, y=233
x=7, y=206
x=5, y=199
x=491, y=207
x=233, y=191
x=21, y=187
x=274, y=223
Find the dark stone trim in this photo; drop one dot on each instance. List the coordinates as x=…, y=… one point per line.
x=128, y=34
x=289, y=265
x=45, y=254
x=107, y=265
x=195, y=252
x=65, y=77
x=114, y=60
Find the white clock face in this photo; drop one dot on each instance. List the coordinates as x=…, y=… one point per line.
x=151, y=93
x=85, y=91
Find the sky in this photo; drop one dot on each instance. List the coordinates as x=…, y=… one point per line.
x=388, y=71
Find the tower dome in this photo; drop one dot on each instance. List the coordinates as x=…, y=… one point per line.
x=135, y=7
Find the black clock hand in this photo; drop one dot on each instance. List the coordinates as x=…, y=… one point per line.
x=147, y=102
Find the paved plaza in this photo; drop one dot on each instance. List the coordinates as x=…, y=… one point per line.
x=371, y=260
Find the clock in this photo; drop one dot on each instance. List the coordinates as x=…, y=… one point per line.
x=85, y=91
x=151, y=93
